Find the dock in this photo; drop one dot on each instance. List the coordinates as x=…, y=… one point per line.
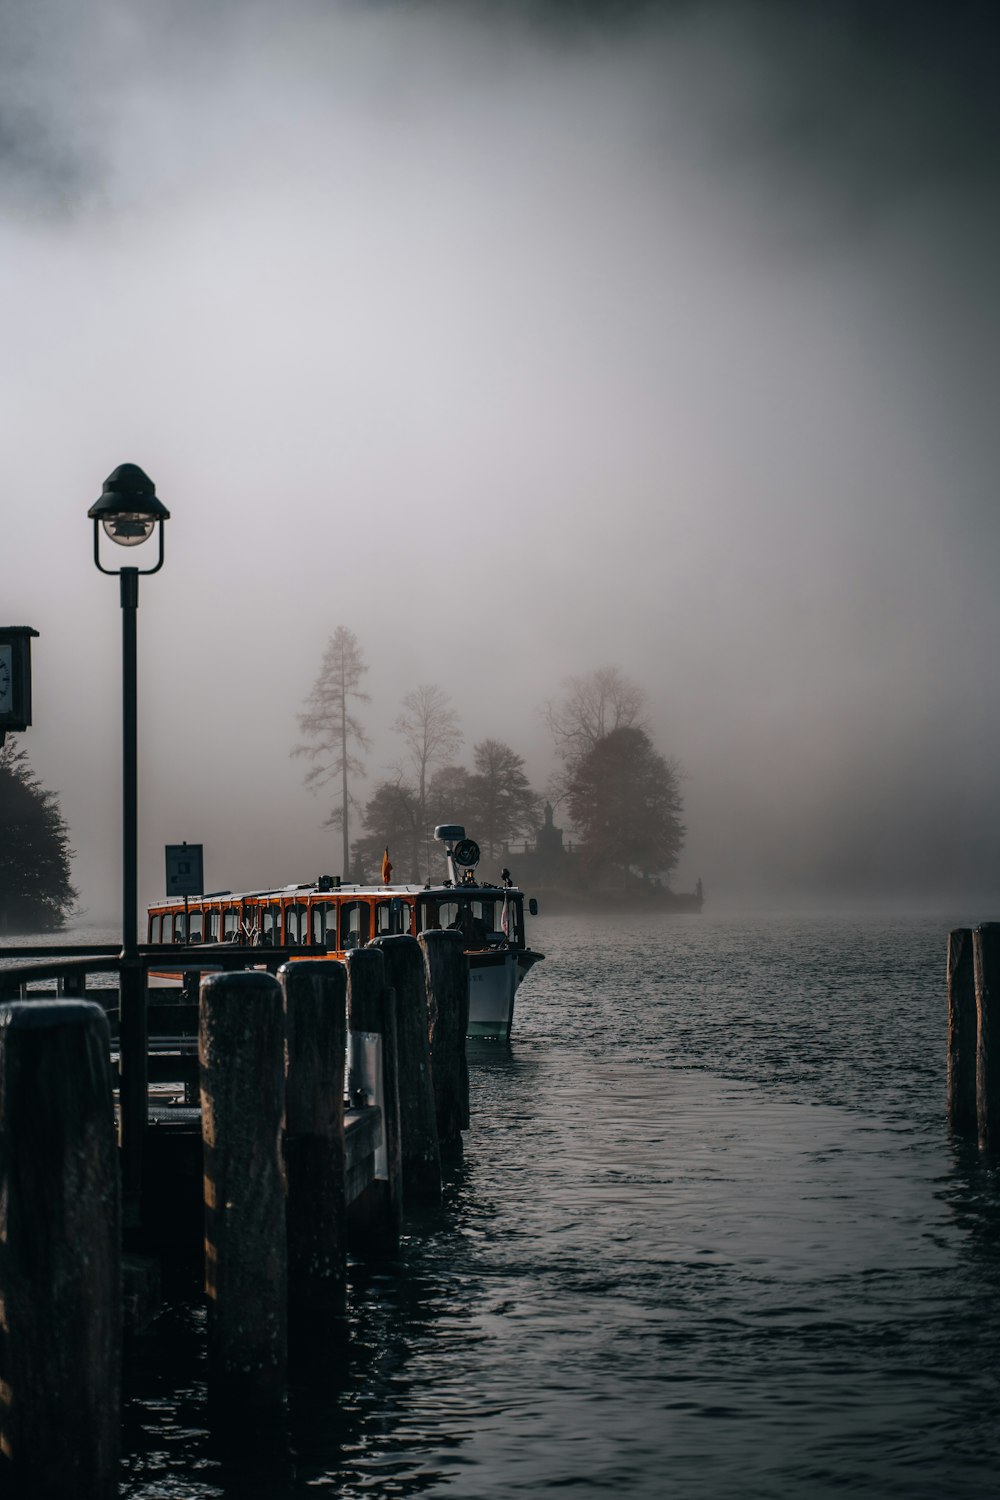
x=272, y=1118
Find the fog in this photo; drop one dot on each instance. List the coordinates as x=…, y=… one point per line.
x=522, y=342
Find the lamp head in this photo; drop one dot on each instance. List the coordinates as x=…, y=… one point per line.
x=128, y=508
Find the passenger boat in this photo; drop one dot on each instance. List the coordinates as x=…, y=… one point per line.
x=337, y=916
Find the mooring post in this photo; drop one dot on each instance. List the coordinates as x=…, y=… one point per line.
x=316, y=1214
x=986, y=960
x=421, y=1156
x=962, y=1033
x=241, y=1045
x=374, y=1219
x=60, y=1254
x=447, y=974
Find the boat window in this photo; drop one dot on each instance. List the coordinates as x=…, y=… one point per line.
x=427, y=916
x=294, y=925
x=180, y=935
x=324, y=923
x=474, y=919
x=392, y=917
x=167, y=930
x=317, y=919
x=484, y=912
x=154, y=929
x=353, y=924
x=449, y=914
x=212, y=930
x=230, y=924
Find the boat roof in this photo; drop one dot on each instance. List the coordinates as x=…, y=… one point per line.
x=442, y=892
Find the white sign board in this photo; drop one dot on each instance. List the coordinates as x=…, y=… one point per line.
x=185, y=875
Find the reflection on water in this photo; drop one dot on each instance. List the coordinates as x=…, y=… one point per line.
x=709, y=1238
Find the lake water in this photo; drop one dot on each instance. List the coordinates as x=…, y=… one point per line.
x=710, y=1238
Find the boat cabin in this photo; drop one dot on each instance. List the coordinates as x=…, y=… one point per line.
x=339, y=917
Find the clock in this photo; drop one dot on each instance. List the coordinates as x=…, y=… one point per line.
x=15, y=677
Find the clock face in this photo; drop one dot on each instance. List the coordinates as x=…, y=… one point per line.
x=6, y=680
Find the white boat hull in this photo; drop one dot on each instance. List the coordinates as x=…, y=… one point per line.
x=493, y=981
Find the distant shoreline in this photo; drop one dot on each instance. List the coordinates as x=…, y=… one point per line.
x=555, y=902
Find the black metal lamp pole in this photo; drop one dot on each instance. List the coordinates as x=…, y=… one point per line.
x=129, y=511
x=130, y=776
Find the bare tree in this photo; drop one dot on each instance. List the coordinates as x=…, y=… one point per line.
x=591, y=708
x=429, y=727
x=334, y=731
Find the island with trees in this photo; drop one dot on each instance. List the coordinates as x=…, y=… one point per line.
x=619, y=795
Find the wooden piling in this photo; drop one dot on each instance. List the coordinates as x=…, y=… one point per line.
x=241, y=1052
x=60, y=1254
x=446, y=970
x=316, y=1212
x=421, y=1157
x=986, y=960
x=374, y=1218
x=962, y=1033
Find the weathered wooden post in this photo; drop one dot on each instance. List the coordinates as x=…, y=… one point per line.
x=374, y=1218
x=447, y=974
x=986, y=959
x=60, y=1254
x=241, y=1045
x=316, y=1214
x=421, y=1157
x=962, y=1032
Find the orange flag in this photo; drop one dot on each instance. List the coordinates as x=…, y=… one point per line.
x=386, y=867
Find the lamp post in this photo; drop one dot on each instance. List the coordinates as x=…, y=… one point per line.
x=129, y=512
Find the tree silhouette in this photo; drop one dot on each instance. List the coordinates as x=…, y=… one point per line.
x=625, y=799
x=390, y=822
x=333, y=729
x=502, y=806
x=35, y=889
x=429, y=727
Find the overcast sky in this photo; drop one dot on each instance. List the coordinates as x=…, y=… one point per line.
x=522, y=343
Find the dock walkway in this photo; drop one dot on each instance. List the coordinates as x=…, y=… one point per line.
x=274, y=1120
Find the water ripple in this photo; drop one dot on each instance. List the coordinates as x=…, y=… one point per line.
x=710, y=1238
